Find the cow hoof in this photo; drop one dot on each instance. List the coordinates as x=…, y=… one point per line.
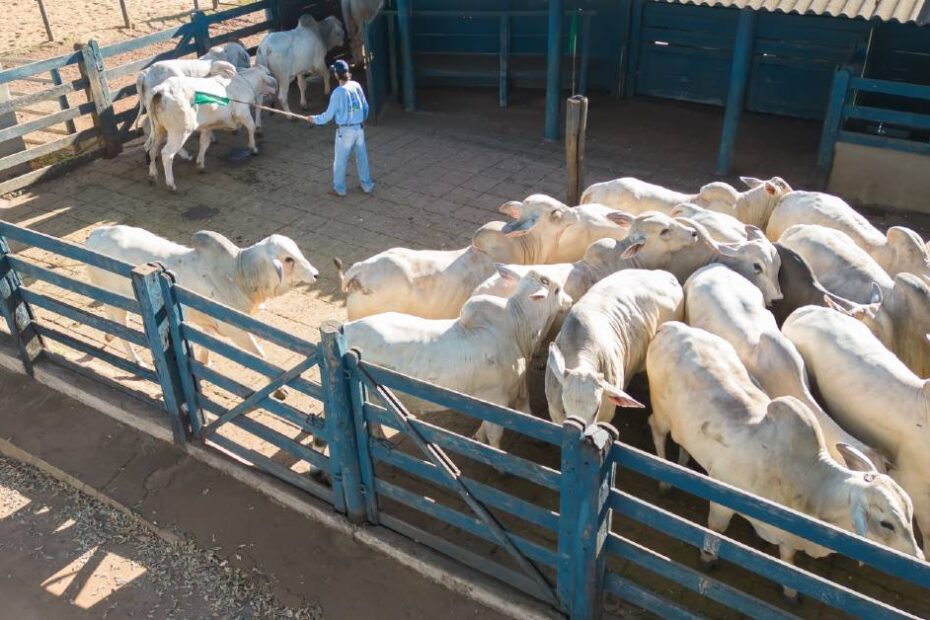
x=258, y=131
x=709, y=562
x=148, y=159
x=151, y=180
x=664, y=489
x=184, y=157
x=201, y=169
x=255, y=151
x=174, y=190
x=304, y=106
x=791, y=596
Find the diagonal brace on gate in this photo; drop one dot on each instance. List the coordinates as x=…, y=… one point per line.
x=256, y=398
x=453, y=474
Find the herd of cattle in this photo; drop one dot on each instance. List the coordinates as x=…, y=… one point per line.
x=785, y=339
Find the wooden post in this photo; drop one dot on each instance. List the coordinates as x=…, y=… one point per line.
x=404, y=17
x=576, y=123
x=348, y=493
x=392, y=56
x=19, y=318
x=585, y=63
x=832, y=123
x=362, y=436
x=201, y=32
x=98, y=91
x=183, y=353
x=152, y=305
x=739, y=80
x=374, y=101
x=48, y=25
x=127, y=22
x=583, y=522
x=635, y=40
x=502, y=89
x=554, y=69
x=63, y=99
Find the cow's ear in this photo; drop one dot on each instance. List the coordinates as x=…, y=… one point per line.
x=621, y=398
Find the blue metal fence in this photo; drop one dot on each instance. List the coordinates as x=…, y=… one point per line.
x=545, y=516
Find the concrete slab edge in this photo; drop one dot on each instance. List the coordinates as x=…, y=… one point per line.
x=421, y=560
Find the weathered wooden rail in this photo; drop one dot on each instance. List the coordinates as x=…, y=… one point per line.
x=550, y=526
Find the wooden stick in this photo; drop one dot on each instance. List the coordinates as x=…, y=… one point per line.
x=127, y=22
x=576, y=120
x=48, y=26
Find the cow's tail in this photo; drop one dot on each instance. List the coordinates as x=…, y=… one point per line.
x=140, y=92
x=156, y=101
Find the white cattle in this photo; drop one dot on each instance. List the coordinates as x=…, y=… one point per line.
x=233, y=52
x=702, y=394
x=175, y=116
x=635, y=196
x=901, y=320
x=724, y=303
x=296, y=53
x=355, y=14
x=435, y=284
x=721, y=226
x=872, y=394
x=214, y=267
x=603, y=343
x=594, y=222
x=482, y=353
x=839, y=265
x=900, y=250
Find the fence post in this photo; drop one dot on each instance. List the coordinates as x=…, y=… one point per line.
x=740, y=69
x=554, y=68
x=201, y=32
x=576, y=123
x=348, y=494
x=404, y=19
x=366, y=467
x=98, y=91
x=373, y=94
x=153, y=308
x=182, y=353
x=503, y=79
x=583, y=523
x=832, y=123
x=19, y=318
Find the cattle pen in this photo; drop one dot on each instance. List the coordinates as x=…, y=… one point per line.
x=565, y=514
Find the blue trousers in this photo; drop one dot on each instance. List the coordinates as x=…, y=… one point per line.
x=349, y=140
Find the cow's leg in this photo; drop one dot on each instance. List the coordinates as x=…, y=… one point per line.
x=202, y=151
x=118, y=315
x=659, y=435
x=490, y=434
x=172, y=146
x=326, y=85
x=787, y=555
x=718, y=520
x=282, y=96
x=246, y=121
x=154, y=141
x=302, y=87
x=683, y=456
x=258, y=120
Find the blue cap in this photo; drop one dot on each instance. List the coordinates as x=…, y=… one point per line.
x=340, y=68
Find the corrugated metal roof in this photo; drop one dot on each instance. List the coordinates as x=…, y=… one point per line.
x=904, y=11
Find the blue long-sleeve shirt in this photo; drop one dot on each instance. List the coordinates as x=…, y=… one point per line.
x=347, y=104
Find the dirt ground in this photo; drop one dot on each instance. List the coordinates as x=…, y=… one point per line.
x=440, y=173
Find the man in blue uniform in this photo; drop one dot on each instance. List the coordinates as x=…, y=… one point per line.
x=347, y=104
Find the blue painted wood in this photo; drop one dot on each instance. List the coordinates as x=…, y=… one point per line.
x=918, y=91
x=183, y=353
x=362, y=423
x=34, y=298
x=242, y=33
x=404, y=33
x=633, y=47
x=21, y=129
x=584, y=64
x=63, y=104
x=132, y=45
x=832, y=125
x=519, y=422
x=819, y=588
x=147, y=287
x=883, y=558
x=385, y=453
x=337, y=403
x=201, y=32
x=240, y=11
x=736, y=95
x=569, y=500
x=392, y=56
x=50, y=333
x=87, y=290
x=695, y=581
x=137, y=65
x=374, y=97
x=641, y=597
x=554, y=70
x=892, y=117
x=259, y=329
x=472, y=449
x=16, y=312
x=250, y=361
x=504, y=63
x=98, y=91
x=884, y=142
x=41, y=66
x=466, y=523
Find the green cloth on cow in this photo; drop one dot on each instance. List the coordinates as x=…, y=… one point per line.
x=206, y=98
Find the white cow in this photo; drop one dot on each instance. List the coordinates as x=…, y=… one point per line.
x=435, y=284
x=355, y=14
x=296, y=53
x=603, y=343
x=840, y=265
x=175, y=116
x=213, y=266
x=871, y=393
x=724, y=303
x=900, y=250
x=482, y=353
x=233, y=52
x=702, y=394
x=635, y=196
x=721, y=226
x=901, y=320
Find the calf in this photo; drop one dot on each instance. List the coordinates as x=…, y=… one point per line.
x=704, y=397
x=726, y=304
x=721, y=226
x=871, y=393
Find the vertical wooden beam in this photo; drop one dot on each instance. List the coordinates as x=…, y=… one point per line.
x=576, y=122
x=273, y=13
x=362, y=436
x=45, y=22
x=17, y=313
x=152, y=305
x=182, y=354
x=392, y=56
x=739, y=80
x=504, y=62
x=635, y=42
x=127, y=22
x=98, y=91
x=404, y=31
x=585, y=54
x=63, y=99
x=201, y=32
x=832, y=123
x=554, y=69
x=374, y=97
x=348, y=493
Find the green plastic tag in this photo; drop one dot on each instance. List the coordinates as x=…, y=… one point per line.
x=204, y=98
